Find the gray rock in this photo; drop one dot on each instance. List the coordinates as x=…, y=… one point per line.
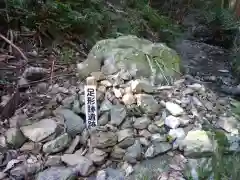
x=53, y=161
x=158, y=138
x=126, y=142
x=114, y=174
x=172, y=122
x=76, y=107
x=98, y=156
x=125, y=133
x=73, y=145
x=118, y=114
x=104, y=118
x=23, y=170
x=31, y=147
x=139, y=86
x=174, y=109
x=147, y=103
x=39, y=130
x=134, y=152
x=197, y=143
x=153, y=128
x=141, y=122
x=15, y=138
x=117, y=153
x=68, y=101
x=57, y=173
x=178, y=133
x=3, y=142
x=144, y=141
x=157, y=148
x=100, y=139
x=91, y=64
x=84, y=137
x=74, y=123
x=229, y=124
x=105, y=106
x=145, y=133
x=57, y=144
x=128, y=99
x=101, y=175
x=128, y=123
x=83, y=165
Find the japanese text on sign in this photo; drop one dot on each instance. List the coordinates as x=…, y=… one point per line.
x=91, y=106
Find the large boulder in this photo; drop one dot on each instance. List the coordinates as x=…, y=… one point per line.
x=132, y=57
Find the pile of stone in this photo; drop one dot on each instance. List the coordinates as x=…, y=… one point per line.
x=136, y=121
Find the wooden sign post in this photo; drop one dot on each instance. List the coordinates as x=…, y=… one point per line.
x=91, y=102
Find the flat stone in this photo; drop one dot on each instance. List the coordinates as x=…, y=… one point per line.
x=53, y=161
x=128, y=99
x=74, y=123
x=147, y=103
x=118, y=114
x=125, y=133
x=134, y=152
x=229, y=124
x=117, y=153
x=57, y=144
x=56, y=173
x=139, y=86
x=104, y=118
x=172, y=122
x=100, y=139
x=158, y=138
x=82, y=164
x=141, y=122
x=98, y=156
x=39, y=130
x=73, y=145
x=106, y=105
x=157, y=148
x=174, y=109
x=15, y=138
x=197, y=143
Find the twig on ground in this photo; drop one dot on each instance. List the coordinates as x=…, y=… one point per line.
x=14, y=46
x=11, y=39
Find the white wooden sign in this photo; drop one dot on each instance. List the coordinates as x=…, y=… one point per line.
x=91, y=105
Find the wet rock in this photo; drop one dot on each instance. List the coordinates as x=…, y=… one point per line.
x=39, y=130
x=197, y=143
x=100, y=139
x=139, y=86
x=98, y=156
x=134, y=152
x=57, y=173
x=53, y=161
x=57, y=144
x=172, y=122
x=147, y=103
x=174, y=109
x=15, y=138
x=83, y=165
x=141, y=122
x=118, y=114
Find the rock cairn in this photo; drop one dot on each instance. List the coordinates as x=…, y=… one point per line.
x=136, y=122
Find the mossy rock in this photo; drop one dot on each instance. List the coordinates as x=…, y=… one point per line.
x=140, y=58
